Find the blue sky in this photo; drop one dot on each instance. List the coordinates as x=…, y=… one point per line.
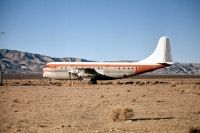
x=101, y=29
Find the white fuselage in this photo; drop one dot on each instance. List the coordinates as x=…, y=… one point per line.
x=98, y=70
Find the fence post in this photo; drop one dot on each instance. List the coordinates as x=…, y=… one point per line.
x=1, y=76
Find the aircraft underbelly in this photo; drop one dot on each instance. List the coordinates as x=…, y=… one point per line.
x=118, y=73
x=59, y=75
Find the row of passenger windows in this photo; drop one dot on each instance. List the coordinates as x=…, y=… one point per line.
x=101, y=68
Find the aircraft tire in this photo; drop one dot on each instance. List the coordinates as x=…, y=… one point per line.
x=93, y=81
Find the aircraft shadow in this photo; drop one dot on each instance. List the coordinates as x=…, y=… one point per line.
x=155, y=118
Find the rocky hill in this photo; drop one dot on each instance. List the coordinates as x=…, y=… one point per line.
x=179, y=69
x=13, y=61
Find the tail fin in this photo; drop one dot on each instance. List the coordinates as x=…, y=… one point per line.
x=162, y=53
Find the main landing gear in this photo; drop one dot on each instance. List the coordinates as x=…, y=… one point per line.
x=92, y=81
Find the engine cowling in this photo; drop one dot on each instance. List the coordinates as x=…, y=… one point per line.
x=74, y=71
x=81, y=73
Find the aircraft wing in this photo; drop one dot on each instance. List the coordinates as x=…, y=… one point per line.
x=86, y=72
x=90, y=71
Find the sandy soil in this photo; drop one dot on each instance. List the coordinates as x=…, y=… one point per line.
x=157, y=105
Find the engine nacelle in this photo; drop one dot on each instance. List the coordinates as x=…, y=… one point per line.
x=82, y=74
x=74, y=71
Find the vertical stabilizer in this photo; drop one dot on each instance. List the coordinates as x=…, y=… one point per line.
x=162, y=53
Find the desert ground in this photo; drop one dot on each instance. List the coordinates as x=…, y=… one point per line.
x=169, y=105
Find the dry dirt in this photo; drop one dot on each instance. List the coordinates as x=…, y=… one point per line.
x=149, y=105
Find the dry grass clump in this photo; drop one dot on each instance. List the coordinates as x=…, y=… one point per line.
x=134, y=100
x=15, y=101
x=122, y=114
x=155, y=82
x=27, y=83
x=172, y=84
x=130, y=82
x=16, y=83
x=139, y=83
x=194, y=130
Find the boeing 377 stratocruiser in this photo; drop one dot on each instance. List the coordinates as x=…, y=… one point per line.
x=94, y=71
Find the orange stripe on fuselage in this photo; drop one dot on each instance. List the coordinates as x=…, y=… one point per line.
x=146, y=68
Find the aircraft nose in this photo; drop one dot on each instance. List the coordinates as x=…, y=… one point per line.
x=44, y=75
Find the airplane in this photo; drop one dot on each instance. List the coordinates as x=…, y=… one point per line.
x=160, y=58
